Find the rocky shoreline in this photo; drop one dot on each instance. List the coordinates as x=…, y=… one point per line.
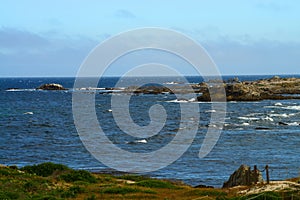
x=275, y=88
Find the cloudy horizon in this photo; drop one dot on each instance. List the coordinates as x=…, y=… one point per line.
x=52, y=38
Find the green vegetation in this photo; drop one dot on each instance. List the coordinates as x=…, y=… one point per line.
x=49, y=181
x=78, y=175
x=132, y=177
x=72, y=192
x=156, y=184
x=44, y=169
x=125, y=190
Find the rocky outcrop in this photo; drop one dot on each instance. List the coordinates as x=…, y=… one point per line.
x=51, y=86
x=148, y=90
x=244, y=176
x=275, y=88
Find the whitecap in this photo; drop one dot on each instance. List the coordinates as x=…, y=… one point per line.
x=172, y=83
x=192, y=99
x=268, y=119
x=178, y=101
x=28, y=113
x=90, y=88
x=20, y=90
x=249, y=118
x=278, y=104
x=293, y=124
x=210, y=111
x=284, y=115
x=292, y=107
x=245, y=124
x=141, y=141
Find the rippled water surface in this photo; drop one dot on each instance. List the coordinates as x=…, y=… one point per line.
x=37, y=126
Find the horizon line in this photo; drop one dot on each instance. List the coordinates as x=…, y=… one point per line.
x=112, y=76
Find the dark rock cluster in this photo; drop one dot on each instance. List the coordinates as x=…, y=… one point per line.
x=51, y=86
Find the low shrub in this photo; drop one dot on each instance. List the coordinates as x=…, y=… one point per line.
x=9, y=195
x=78, y=175
x=44, y=169
x=72, y=192
x=4, y=172
x=31, y=186
x=133, y=177
x=92, y=197
x=43, y=197
x=156, y=184
x=120, y=190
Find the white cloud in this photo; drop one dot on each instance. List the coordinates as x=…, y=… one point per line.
x=33, y=54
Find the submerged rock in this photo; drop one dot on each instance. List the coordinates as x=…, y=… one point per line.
x=51, y=86
x=244, y=176
x=283, y=123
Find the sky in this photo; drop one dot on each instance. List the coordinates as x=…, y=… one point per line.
x=243, y=37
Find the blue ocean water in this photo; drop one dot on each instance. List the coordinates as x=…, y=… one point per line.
x=38, y=126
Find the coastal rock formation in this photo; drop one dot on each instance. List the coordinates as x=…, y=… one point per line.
x=244, y=176
x=51, y=86
x=275, y=88
x=148, y=90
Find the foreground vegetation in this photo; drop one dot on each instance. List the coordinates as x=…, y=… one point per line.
x=49, y=181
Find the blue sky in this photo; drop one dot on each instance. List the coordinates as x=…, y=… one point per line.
x=52, y=38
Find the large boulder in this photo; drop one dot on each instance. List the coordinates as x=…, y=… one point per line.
x=51, y=86
x=244, y=176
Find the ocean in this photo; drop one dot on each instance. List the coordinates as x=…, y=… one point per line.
x=38, y=126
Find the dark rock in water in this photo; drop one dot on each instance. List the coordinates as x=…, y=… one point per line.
x=203, y=186
x=244, y=176
x=262, y=128
x=12, y=89
x=51, y=86
x=282, y=123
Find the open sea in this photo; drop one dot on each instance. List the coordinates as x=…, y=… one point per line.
x=38, y=126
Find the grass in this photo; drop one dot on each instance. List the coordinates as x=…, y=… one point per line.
x=133, y=177
x=125, y=190
x=207, y=192
x=78, y=175
x=152, y=183
x=49, y=181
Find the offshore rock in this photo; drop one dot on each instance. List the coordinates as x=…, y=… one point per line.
x=275, y=88
x=51, y=86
